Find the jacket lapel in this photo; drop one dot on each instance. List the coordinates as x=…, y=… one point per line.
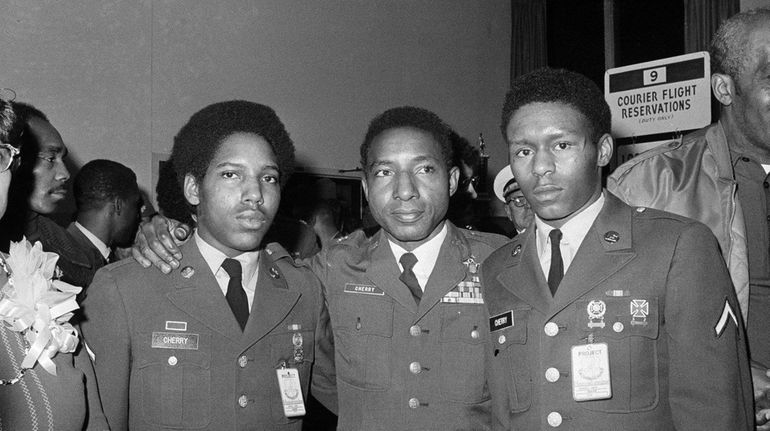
x=522, y=275
x=606, y=249
x=449, y=270
x=200, y=295
x=383, y=272
x=273, y=301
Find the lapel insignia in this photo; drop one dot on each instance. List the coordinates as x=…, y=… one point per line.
x=472, y=265
x=611, y=237
x=596, y=310
x=188, y=271
x=516, y=250
x=296, y=341
x=274, y=273
x=640, y=308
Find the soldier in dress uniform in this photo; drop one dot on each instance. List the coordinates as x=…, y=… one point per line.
x=406, y=304
x=231, y=339
x=604, y=316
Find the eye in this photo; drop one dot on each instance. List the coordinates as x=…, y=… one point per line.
x=270, y=179
x=563, y=145
x=229, y=175
x=522, y=152
x=383, y=173
x=49, y=159
x=427, y=169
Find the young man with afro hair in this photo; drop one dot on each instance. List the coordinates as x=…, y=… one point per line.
x=233, y=337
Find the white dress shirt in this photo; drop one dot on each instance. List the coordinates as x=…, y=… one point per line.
x=99, y=244
x=426, y=254
x=249, y=264
x=573, y=233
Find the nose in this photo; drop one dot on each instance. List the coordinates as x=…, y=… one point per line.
x=62, y=173
x=542, y=163
x=252, y=193
x=404, y=188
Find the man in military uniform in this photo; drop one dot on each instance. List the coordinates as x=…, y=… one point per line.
x=406, y=304
x=231, y=340
x=604, y=317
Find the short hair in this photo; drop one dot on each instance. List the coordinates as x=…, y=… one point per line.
x=198, y=141
x=729, y=48
x=409, y=117
x=101, y=181
x=548, y=85
x=464, y=151
x=10, y=124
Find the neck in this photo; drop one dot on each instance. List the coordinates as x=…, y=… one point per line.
x=738, y=141
x=96, y=226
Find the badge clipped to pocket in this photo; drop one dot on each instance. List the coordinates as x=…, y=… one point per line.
x=291, y=392
x=591, y=372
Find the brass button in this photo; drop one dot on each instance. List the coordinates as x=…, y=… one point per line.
x=554, y=419
x=475, y=334
x=243, y=401
x=552, y=375
x=172, y=360
x=243, y=361
x=415, y=368
x=415, y=331
x=414, y=403
x=551, y=329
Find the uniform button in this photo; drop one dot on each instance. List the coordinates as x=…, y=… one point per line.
x=415, y=368
x=501, y=339
x=243, y=401
x=172, y=360
x=554, y=419
x=243, y=361
x=618, y=326
x=551, y=329
x=414, y=403
x=415, y=331
x=475, y=334
x=552, y=374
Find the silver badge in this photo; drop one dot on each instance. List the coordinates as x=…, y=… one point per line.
x=472, y=265
x=596, y=310
x=516, y=250
x=640, y=308
x=611, y=237
x=299, y=354
x=188, y=271
x=274, y=273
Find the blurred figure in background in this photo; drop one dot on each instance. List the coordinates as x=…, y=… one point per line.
x=517, y=208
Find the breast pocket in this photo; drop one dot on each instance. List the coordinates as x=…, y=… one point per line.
x=363, y=333
x=174, y=384
x=463, y=332
x=630, y=327
x=509, y=358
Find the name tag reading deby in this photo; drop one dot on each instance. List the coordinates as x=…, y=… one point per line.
x=366, y=289
x=174, y=340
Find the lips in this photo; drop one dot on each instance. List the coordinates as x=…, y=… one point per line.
x=546, y=192
x=251, y=219
x=60, y=192
x=407, y=216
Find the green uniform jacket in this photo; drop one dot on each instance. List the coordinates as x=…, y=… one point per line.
x=654, y=288
x=169, y=353
x=400, y=366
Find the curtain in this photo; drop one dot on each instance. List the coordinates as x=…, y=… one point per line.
x=701, y=20
x=528, y=36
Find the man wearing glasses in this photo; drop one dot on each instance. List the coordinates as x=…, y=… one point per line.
x=516, y=206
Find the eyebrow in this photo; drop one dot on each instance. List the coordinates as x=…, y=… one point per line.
x=241, y=165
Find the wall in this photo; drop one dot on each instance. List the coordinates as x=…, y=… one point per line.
x=119, y=78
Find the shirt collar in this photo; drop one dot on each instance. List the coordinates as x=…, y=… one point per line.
x=99, y=244
x=214, y=258
x=574, y=230
x=426, y=253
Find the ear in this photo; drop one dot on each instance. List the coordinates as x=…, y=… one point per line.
x=604, y=150
x=364, y=185
x=454, y=179
x=723, y=88
x=191, y=190
x=117, y=204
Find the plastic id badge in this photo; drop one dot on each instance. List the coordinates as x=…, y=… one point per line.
x=291, y=392
x=591, y=372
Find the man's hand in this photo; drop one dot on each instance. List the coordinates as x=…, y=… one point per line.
x=760, y=377
x=154, y=244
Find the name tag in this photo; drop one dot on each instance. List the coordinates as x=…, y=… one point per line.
x=174, y=340
x=501, y=321
x=291, y=392
x=591, y=372
x=365, y=289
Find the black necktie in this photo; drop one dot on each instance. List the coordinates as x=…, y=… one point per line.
x=236, y=296
x=407, y=277
x=556, y=272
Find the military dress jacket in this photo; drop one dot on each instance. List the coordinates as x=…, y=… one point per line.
x=650, y=285
x=401, y=366
x=169, y=354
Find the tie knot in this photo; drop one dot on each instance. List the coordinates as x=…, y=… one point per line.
x=407, y=261
x=232, y=267
x=555, y=236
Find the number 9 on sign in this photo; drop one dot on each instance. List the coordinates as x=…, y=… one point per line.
x=654, y=76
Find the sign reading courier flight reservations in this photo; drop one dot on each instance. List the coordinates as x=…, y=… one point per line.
x=662, y=96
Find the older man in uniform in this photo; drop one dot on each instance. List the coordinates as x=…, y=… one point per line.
x=406, y=304
x=517, y=208
x=604, y=316
x=231, y=340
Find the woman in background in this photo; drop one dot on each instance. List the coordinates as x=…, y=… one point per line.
x=47, y=380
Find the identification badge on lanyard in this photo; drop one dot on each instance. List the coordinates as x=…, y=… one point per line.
x=291, y=392
x=591, y=372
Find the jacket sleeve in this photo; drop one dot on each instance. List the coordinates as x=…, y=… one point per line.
x=324, y=378
x=105, y=330
x=709, y=375
x=95, y=414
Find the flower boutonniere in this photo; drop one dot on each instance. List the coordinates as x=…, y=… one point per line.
x=37, y=305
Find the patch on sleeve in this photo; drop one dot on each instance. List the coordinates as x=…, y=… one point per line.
x=724, y=319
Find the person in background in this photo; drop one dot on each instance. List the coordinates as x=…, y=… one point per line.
x=719, y=175
x=604, y=316
x=234, y=338
x=517, y=208
x=108, y=210
x=34, y=398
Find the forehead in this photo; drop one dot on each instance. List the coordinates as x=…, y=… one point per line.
x=404, y=141
x=46, y=135
x=245, y=149
x=546, y=119
x=759, y=47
